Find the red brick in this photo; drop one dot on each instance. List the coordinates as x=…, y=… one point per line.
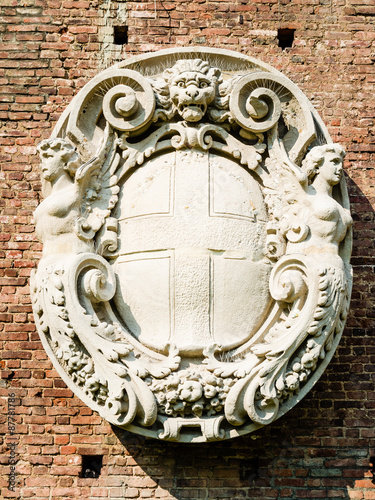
x=48, y=50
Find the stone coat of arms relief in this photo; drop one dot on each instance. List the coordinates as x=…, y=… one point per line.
x=195, y=277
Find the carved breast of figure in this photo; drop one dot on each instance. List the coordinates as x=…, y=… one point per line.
x=327, y=223
x=195, y=309
x=56, y=214
x=332, y=219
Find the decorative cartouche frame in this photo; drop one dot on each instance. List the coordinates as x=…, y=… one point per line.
x=195, y=277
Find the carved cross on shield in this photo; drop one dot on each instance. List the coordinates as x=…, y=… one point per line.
x=192, y=229
x=195, y=277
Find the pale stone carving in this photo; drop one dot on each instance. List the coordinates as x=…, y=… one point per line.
x=195, y=277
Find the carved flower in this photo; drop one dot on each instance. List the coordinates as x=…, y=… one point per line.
x=215, y=402
x=101, y=397
x=161, y=397
x=173, y=381
x=228, y=383
x=89, y=368
x=191, y=390
x=209, y=378
x=209, y=391
x=297, y=367
x=214, y=406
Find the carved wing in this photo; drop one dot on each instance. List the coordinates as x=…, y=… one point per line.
x=285, y=196
x=98, y=187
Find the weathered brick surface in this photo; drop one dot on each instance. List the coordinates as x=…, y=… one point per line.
x=322, y=448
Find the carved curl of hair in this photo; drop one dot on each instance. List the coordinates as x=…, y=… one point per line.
x=70, y=156
x=315, y=158
x=192, y=65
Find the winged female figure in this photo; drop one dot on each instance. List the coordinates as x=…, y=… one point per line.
x=301, y=199
x=78, y=196
x=310, y=281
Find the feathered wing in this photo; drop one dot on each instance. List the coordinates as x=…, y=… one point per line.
x=285, y=194
x=98, y=186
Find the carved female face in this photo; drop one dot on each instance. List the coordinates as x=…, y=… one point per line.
x=331, y=168
x=57, y=156
x=52, y=163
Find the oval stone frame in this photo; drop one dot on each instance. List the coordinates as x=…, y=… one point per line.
x=196, y=234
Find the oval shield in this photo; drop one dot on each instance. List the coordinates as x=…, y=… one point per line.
x=195, y=277
x=192, y=232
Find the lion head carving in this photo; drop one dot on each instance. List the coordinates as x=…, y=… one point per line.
x=192, y=86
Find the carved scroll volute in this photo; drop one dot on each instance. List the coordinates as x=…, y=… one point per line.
x=129, y=107
x=122, y=96
x=254, y=106
x=257, y=102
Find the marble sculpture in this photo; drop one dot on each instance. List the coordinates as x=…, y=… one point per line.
x=195, y=276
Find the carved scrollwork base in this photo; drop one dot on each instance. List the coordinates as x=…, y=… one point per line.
x=64, y=297
x=298, y=340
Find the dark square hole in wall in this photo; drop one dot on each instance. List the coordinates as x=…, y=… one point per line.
x=120, y=35
x=91, y=465
x=249, y=470
x=285, y=37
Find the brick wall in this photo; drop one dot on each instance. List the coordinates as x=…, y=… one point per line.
x=324, y=447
